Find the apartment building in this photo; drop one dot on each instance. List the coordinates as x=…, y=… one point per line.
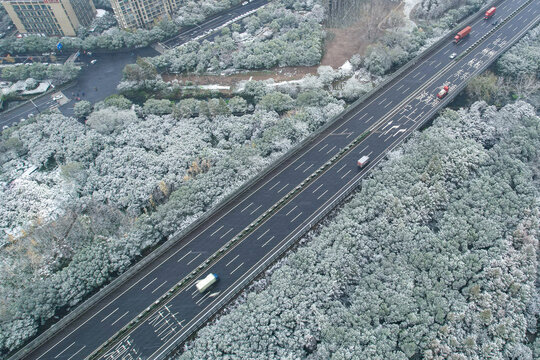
x=142, y=13
x=50, y=17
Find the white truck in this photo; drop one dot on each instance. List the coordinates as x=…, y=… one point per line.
x=363, y=161
x=205, y=283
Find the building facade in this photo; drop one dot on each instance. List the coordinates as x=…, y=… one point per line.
x=50, y=17
x=142, y=13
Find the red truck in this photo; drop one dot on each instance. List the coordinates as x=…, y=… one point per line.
x=460, y=35
x=490, y=13
x=443, y=92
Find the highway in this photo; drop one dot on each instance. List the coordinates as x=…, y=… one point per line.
x=99, y=81
x=388, y=117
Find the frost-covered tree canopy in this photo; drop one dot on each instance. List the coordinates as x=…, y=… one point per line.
x=435, y=257
x=80, y=202
x=284, y=33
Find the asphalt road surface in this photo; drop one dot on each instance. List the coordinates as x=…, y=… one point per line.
x=390, y=115
x=98, y=81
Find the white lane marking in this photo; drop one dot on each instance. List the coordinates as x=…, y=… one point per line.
x=231, y=229
x=299, y=166
x=371, y=117
x=383, y=100
x=347, y=173
x=296, y=217
x=446, y=52
x=414, y=77
x=309, y=167
x=400, y=87
x=387, y=105
x=105, y=318
x=404, y=91
x=192, y=260
x=290, y=211
x=147, y=285
x=115, y=321
x=318, y=187
x=205, y=296
x=254, y=211
x=163, y=283
x=244, y=209
x=229, y=263
x=214, y=233
x=325, y=145
x=423, y=76
x=264, y=233
x=384, y=127
x=60, y=353
x=280, y=190
x=363, y=116
x=320, y=196
x=273, y=186
x=182, y=258
x=341, y=168
x=72, y=356
x=438, y=64
x=399, y=131
x=238, y=267
x=329, y=151
x=267, y=241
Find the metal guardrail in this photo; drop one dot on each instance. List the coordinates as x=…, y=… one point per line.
x=164, y=247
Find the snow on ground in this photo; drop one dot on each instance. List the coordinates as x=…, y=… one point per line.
x=100, y=13
x=408, y=6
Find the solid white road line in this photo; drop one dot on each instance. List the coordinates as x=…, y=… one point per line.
x=264, y=233
x=296, y=217
x=229, y=263
x=119, y=318
x=267, y=241
x=290, y=211
x=254, y=211
x=244, y=209
x=280, y=190
x=214, y=233
x=222, y=236
x=72, y=356
x=192, y=260
x=145, y=286
x=347, y=173
x=60, y=353
x=238, y=267
x=273, y=186
x=163, y=283
x=115, y=310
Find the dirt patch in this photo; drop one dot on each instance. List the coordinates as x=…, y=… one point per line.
x=371, y=17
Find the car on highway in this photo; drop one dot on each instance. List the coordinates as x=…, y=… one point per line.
x=443, y=92
x=93, y=61
x=453, y=55
x=57, y=97
x=495, y=22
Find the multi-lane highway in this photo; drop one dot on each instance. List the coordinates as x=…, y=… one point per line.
x=98, y=81
x=389, y=116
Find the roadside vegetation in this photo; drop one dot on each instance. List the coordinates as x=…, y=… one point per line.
x=435, y=257
x=83, y=199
